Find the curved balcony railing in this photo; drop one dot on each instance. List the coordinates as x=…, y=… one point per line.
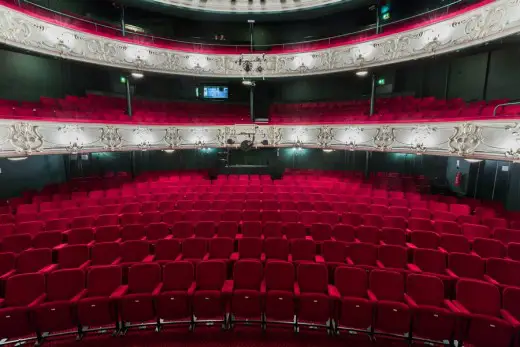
x=444, y=12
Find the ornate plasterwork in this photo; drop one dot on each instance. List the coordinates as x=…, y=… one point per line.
x=486, y=23
x=483, y=139
x=246, y=6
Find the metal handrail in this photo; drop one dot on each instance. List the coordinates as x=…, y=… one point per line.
x=153, y=37
x=504, y=104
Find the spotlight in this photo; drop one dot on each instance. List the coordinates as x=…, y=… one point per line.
x=17, y=158
x=328, y=150
x=362, y=73
x=248, y=83
x=137, y=75
x=169, y=151
x=473, y=160
x=265, y=142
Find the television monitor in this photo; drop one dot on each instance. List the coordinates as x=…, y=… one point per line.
x=215, y=92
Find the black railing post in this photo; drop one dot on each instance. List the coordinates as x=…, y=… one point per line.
x=128, y=97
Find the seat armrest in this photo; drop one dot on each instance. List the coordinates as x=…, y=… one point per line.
x=91, y=243
x=79, y=296
x=168, y=237
x=410, y=245
x=119, y=292
x=48, y=269
x=349, y=261
x=227, y=288
x=157, y=289
x=234, y=256
x=2, y=303
x=289, y=258
x=491, y=280
x=462, y=310
x=117, y=261
x=206, y=257
x=8, y=274
x=410, y=301
x=58, y=247
x=413, y=267
x=85, y=265
x=509, y=317
x=262, y=257
x=119, y=240
x=38, y=301
x=380, y=264
x=371, y=296
x=319, y=259
x=191, y=289
x=442, y=250
x=148, y=258
x=263, y=287
x=451, y=274
x=297, y=291
x=333, y=292
x=451, y=306
x=308, y=238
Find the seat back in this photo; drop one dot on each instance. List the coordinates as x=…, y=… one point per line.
x=23, y=289
x=470, y=293
x=511, y=301
x=211, y=275
x=109, y=233
x=221, y=248
x=134, y=250
x=420, y=224
x=425, y=239
x=248, y=274
x=302, y=249
x=504, y=271
x=343, y=232
x=489, y=248
x=132, y=232
x=425, y=290
x=334, y=251
x=352, y=282
x=33, y=260
x=472, y=231
x=73, y=256
x=178, y=275
x=454, y=243
x=429, y=260
x=7, y=262
x=194, y=248
x=321, y=232
x=144, y=277
x=276, y=248
x=250, y=247
x=312, y=278
x=466, y=265
x=392, y=256
x=387, y=285
x=65, y=284
x=156, y=231
x=447, y=227
x=105, y=253
x=182, y=230
x=362, y=253
x=80, y=236
x=279, y=275
x=393, y=236
x=103, y=280
x=252, y=229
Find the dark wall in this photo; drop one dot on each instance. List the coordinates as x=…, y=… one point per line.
x=32, y=173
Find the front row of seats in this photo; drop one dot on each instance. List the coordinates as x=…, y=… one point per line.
x=381, y=301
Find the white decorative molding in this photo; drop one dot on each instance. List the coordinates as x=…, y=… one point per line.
x=486, y=23
x=246, y=6
x=480, y=139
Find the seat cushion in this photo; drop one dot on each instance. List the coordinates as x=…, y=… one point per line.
x=314, y=307
x=279, y=305
x=96, y=311
x=392, y=317
x=246, y=303
x=433, y=322
x=14, y=322
x=208, y=304
x=489, y=331
x=137, y=308
x=173, y=305
x=53, y=316
x=356, y=313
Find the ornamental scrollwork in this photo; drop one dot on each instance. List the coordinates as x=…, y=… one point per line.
x=110, y=138
x=325, y=136
x=226, y=136
x=421, y=134
x=274, y=135
x=465, y=139
x=513, y=152
x=144, y=135
x=25, y=138
x=384, y=138
x=173, y=137
x=73, y=136
x=352, y=137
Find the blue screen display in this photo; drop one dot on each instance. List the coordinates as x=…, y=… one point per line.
x=216, y=92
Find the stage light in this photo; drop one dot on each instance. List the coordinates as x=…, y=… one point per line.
x=362, y=73
x=169, y=151
x=137, y=75
x=248, y=83
x=473, y=160
x=328, y=150
x=17, y=158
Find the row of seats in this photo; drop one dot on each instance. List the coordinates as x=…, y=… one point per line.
x=447, y=266
x=381, y=301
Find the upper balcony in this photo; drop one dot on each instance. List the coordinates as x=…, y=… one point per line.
x=74, y=38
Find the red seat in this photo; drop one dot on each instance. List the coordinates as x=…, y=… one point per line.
x=22, y=293
x=373, y=220
x=273, y=229
x=80, y=236
x=507, y=235
x=221, y=248
x=246, y=300
x=276, y=249
x=279, y=286
x=420, y=224
x=98, y=307
x=194, y=250
x=135, y=251
x=471, y=231
x=308, y=218
x=295, y=231
x=513, y=251
x=487, y=326
x=488, y=248
x=30, y=227
x=421, y=213
x=167, y=250
x=387, y=292
x=356, y=310
x=251, y=248
x=289, y=216
x=35, y=260
x=460, y=209
x=398, y=211
x=392, y=257
x=345, y=233
x=454, y=243
x=320, y=232
x=368, y=234
x=55, y=313
x=312, y=292
x=182, y=230
x=433, y=316
x=353, y=219
x=156, y=231
x=393, y=236
x=466, y=266
x=137, y=303
x=503, y=272
x=494, y=223
x=424, y=239
x=302, y=251
x=61, y=224
x=395, y=222
x=105, y=253
x=446, y=227
x=227, y=229
x=334, y=254
x=133, y=232
x=110, y=233
x=74, y=256
x=173, y=303
x=47, y=239
x=431, y=262
x=204, y=229
x=362, y=255
x=252, y=229
x=212, y=291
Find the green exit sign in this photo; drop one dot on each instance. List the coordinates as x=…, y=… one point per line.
x=386, y=16
x=381, y=82
x=122, y=79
